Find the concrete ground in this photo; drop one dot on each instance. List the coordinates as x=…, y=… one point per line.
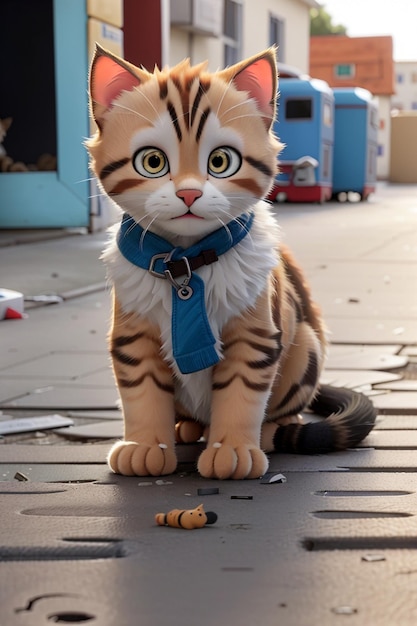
x=335, y=542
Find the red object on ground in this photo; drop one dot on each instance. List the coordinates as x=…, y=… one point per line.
x=12, y=314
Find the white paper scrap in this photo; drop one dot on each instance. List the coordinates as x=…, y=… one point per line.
x=28, y=424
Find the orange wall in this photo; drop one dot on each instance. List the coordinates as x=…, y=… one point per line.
x=372, y=56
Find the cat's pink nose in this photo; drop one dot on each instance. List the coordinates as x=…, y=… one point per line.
x=189, y=195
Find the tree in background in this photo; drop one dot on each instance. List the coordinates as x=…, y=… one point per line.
x=321, y=23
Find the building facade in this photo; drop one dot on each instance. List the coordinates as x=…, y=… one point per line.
x=225, y=31
x=405, y=97
x=365, y=62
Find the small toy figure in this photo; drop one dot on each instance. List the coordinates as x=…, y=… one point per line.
x=188, y=519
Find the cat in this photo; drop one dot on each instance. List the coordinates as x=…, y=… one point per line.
x=214, y=330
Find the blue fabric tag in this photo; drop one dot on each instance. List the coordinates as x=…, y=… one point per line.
x=192, y=339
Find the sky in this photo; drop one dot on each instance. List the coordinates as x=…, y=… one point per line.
x=397, y=18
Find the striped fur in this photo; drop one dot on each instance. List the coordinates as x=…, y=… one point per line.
x=184, y=152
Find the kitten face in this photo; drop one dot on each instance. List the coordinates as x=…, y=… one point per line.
x=184, y=151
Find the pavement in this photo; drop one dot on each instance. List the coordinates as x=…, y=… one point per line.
x=333, y=540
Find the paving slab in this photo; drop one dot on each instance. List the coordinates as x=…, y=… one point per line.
x=362, y=459
x=357, y=289
x=53, y=266
x=62, y=398
x=354, y=379
x=110, y=429
x=11, y=388
x=25, y=453
x=396, y=422
x=94, y=553
x=53, y=473
x=400, y=401
x=398, y=385
x=58, y=358
x=59, y=364
x=366, y=330
x=96, y=415
x=354, y=256
x=392, y=439
x=410, y=351
x=365, y=357
x=352, y=231
x=82, y=322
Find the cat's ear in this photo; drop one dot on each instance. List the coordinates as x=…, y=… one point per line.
x=259, y=77
x=109, y=76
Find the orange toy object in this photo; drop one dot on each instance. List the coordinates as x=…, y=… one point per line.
x=188, y=519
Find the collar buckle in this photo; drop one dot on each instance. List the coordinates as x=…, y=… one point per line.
x=151, y=269
x=183, y=289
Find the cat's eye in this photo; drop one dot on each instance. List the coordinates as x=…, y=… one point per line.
x=151, y=162
x=224, y=162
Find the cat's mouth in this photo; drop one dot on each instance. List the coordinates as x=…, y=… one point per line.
x=188, y=215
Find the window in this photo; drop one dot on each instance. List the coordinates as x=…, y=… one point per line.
x=344, y=70
x=399, y=78
x=277, y=35
x=232, y=32
x=299, y=109
x=327, y=114
x=414, y=106
x=414, y=77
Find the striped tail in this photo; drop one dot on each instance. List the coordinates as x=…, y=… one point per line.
x=350, y=417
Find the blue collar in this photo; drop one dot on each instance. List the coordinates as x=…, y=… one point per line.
x=193, y=342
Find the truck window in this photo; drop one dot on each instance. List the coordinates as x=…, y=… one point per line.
x=299, y=109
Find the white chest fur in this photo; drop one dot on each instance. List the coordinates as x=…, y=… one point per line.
x=232, y=284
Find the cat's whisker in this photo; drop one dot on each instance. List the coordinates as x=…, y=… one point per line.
x=85, y=180
x=133, y=111
x=225, y=226
x=222, y=98
x=145, y=97
x=238, y=117
x=131, y=227
x=237, y=105
x=239, y=196
x=238, y=221
x=180, y=116
x=145, y=230
x=135, y=222
x=96, y=195
x=227, y=213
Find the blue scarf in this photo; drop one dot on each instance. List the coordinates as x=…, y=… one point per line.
x=192, y=339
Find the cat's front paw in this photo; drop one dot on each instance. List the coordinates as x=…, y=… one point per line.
x=221, y=460
x=138, y=459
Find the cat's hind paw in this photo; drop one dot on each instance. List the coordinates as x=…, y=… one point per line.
x=138, y=459
x=188, y=431
x=225, y=461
